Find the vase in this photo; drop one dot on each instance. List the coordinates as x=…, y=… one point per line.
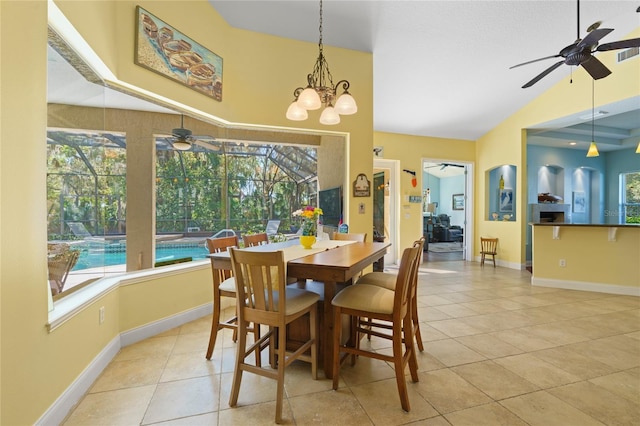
x=307, y=241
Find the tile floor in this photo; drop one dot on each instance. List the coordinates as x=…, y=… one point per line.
x=497, y=352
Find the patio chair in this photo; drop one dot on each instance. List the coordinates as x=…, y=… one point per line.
x=272, y=227
x=79, y=230
x=61, y=259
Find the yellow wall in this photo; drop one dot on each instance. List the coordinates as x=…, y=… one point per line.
x=506, y=143
x=260, y=74
x=410, y=150
x=589, y=255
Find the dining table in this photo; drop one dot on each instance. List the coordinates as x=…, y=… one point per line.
x=326, y=268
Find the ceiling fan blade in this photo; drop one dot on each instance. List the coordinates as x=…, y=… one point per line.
x=622, y=44
x=595, y=68
x=594, y=37
x=535, y=60
x=542, y=74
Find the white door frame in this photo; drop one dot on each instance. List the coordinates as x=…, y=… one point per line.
x=469, y=203
x=394, y=206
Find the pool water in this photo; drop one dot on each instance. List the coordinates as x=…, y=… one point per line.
x=96, y=257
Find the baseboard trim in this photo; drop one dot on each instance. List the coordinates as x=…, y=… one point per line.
x=74, y=393
x=502, y=263
x=149, y=330
x=586, y=286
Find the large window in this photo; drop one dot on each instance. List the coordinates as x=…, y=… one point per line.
x=630, y=197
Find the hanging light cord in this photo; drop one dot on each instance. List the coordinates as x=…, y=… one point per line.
x=593, y=114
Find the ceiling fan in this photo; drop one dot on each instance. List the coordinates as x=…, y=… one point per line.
x=445, y=165
x=581, y=52
x=182, y=139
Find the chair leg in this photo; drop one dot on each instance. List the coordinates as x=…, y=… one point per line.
x=214, y=327
x=494, y=260
x=411, y=350
x=482, y=259
x=416, y=324
x=399, y=367
x=282, y=343
x=313, y=324
x=336, y=346
x=241, y=349
x=256, y=337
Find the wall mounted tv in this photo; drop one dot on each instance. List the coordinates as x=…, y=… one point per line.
x=330, y=201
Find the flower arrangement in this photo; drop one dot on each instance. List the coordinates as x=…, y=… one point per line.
x=309, y=216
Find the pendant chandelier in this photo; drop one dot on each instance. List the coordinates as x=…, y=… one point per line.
x=593, y=149
x=321, y=91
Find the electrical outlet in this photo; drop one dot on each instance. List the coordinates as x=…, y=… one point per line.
x=563, y=263
x=101, y=315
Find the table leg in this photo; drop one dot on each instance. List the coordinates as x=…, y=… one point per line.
x=329, y=293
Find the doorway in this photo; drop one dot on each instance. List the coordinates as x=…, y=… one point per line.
x=447, y=210
x=385, y=205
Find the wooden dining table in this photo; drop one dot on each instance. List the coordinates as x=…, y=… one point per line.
x=332, y=265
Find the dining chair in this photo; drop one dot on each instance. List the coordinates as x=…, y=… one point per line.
x=388, y=281
x=350, y=237
x=224, y=285
x=60, y=261
x=261, y=285
x=255, y=239
x=390, y=306
x=488, y=247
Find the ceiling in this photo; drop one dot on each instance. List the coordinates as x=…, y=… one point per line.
x=441, y=68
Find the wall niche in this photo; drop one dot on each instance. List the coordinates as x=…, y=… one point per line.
x=501, y=193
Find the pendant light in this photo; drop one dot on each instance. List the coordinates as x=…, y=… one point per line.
x=593, y=149
x=320, y=91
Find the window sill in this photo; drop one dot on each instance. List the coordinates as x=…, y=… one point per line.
x=69, y=306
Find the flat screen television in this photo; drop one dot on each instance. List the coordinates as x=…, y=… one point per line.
x=330, y=201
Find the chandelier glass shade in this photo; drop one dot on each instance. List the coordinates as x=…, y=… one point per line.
x=320, y=91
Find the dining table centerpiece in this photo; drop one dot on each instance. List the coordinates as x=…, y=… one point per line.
x=310, y=216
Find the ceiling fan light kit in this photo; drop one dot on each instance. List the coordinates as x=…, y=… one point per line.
x=321, y=90
x=580, y=53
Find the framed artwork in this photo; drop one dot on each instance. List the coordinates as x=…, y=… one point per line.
x=458, y=201
x=506, y=200
x=361, y=186
x=168, y=52
x=579, y=202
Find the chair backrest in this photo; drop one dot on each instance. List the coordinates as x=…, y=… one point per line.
x=255, y=239
x=216, y=245
x=350, y=237
x=404, y=282
x=272, y=227
x=419, y=244
x=61, y=261
x=260, y=278
x=488, y=245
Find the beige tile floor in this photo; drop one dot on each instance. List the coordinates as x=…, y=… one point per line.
x=497, y=352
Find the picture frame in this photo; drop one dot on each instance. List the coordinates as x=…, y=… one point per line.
x=163, y=49
x=361, y=186
x=578, y=202
x=505, y=200
x=457, y=201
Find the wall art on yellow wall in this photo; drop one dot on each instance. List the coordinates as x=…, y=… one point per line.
x=166, y=51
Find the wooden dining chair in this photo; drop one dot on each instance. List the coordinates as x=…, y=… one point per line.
x=350, y=237
x=255, y=239
x=224, y=285
x=488, y=247
x=389, y=306
x=388, y=281
x=261, y=285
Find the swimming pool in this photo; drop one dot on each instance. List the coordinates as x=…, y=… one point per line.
x=95, y=256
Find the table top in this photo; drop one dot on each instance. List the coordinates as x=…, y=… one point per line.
x=292, y=249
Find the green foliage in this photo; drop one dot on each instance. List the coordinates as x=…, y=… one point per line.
x=209, y=191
